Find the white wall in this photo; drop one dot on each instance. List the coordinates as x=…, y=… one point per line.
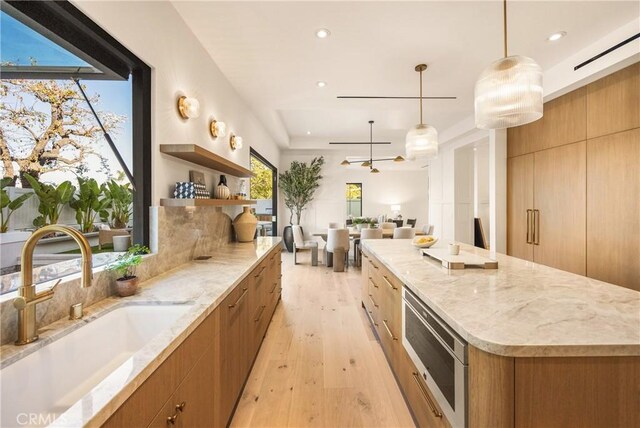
x=398, y=186
x=463, y=196
x=156, y=33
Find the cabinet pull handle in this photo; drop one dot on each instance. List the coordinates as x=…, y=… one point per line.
x=365, y=256
x=373, y=301
x=260, y=273
x=374, y=284
x=275, y=285
x=374, y=266
x=244, y=293
x=260, y=314
x=181, y=406
x=434, y=409
x=386, y=326
x=529, y=239
x=389, y=283
x=536, y=227
x=172, y=419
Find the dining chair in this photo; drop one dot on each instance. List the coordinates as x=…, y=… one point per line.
x=388, y=225
x=300, y=244
x=411, y=222
x=338, y=246
x=404, y=233
x=364, y=234
x=427, y=229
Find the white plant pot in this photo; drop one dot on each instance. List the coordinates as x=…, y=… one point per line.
x=11, y=244
x=121, y=243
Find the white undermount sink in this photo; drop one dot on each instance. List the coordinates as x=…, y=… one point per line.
x=39, y=387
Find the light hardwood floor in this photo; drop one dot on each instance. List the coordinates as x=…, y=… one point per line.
x=320, y=365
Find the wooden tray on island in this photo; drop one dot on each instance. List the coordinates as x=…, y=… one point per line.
x=461, y=261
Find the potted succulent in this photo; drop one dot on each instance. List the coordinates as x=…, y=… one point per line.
x=88, y=203
x=125, y=266
x=52, y=200
x=298, y=185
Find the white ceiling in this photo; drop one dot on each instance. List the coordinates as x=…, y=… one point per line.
x=270, y=54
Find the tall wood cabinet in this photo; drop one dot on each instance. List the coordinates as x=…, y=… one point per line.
x=573, y=182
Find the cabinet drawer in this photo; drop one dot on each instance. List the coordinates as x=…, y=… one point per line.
x=426, y=411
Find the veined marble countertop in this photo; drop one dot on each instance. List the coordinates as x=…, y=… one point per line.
x=203, y=284
x=522, y=309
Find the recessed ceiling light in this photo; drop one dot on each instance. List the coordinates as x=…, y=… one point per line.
x=308, y=132
x=556, y=36
x=323, y=33
x=321, y=83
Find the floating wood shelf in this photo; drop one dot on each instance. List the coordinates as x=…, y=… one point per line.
x=175, y=202
x=200, y=156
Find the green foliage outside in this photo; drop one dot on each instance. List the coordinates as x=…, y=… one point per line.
x=52, y=200
x=354, y=191
x=299, y=184
x=88, y=203
x=8, y=205
x=262, y=183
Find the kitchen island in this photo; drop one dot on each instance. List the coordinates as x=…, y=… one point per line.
x=530, y=330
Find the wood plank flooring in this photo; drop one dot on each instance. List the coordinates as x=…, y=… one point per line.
x=320, y=365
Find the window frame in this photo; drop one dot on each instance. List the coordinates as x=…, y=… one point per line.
x=361, y=198
x=66, y=25
x=274, y=183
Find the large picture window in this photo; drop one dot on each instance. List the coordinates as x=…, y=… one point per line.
x=75, y=137
x=354, y=200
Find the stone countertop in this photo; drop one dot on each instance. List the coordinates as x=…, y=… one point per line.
x=521, y=309
x=203, y=284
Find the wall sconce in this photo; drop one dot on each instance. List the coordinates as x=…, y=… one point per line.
x=235, y=141
x=188, y=107
x=217, y=128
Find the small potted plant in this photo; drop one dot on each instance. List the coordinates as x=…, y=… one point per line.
x=125, y=266
x=363, y=222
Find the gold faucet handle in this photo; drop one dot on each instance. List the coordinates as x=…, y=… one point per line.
x=21, y=302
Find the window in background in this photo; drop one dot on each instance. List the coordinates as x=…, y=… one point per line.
x=264, y=189
x=354, y=199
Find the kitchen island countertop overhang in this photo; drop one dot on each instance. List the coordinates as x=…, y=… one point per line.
x=522, y=309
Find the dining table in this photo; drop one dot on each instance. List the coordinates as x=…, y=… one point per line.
x=354, y=234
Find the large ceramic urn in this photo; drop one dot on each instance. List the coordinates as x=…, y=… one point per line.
x=245, y=225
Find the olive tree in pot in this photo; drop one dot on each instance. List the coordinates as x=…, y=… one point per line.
x=298, y=185
x=125, y=266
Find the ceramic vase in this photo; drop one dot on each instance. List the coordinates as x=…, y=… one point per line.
x=287, y=237
x=245, y=225
x=222, y=190
x=127, y=287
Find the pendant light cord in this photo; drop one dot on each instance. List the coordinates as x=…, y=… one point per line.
x=421, y=98
x=504, y=19
x=371, y=145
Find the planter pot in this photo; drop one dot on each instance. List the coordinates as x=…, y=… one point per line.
x=361, y=226
x=127, y=287
x=287, y=237
x=245, y=225
x=121, y=243
x=11, y=244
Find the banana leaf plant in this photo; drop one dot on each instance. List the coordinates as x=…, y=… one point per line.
x=8, y=205
x=52, y=200
x=88, y=202
x=119, y=209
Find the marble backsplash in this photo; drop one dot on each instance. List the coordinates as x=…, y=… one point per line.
x=178, y=235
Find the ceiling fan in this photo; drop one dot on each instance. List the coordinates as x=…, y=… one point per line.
x=368, y=162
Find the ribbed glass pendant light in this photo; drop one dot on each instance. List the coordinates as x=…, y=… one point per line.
x=509, y=92
x=422, y=140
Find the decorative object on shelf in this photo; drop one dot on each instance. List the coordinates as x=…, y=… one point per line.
x=422, y=140
x=368, y=162
x=298, y=185
x=201, y=191
x=245, y=225
x=508, y=93
x=235, y=142
x=188, y=107
x=217, y=128
x=125, y=266
x=184, y=190
x=222, y=190
x=197, y=177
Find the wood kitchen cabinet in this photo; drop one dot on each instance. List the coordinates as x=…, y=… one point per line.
x=573, y=182
x=208, y=370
